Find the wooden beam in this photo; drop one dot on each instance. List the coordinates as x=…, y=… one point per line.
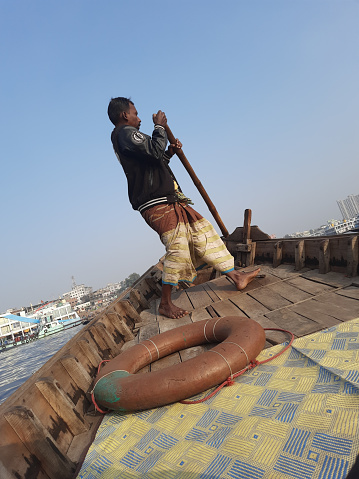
x=299, y=255
x=278, y=254
x=61, y=404
x=324, y=256
x=77, y=372
x=39, y=442
x=352, y=256
x=247, y=225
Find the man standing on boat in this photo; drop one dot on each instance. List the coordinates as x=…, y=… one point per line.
x=190, y=240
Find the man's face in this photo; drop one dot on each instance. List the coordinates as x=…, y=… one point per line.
x=132, y=117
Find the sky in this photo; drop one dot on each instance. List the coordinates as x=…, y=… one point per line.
x=262, y=94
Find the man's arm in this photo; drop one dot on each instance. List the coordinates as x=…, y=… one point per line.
x=134, y=144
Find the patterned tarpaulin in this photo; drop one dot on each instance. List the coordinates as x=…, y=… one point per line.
x=294, y=417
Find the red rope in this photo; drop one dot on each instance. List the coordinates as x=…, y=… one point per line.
x=229, y=381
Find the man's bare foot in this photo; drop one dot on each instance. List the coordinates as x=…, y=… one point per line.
x=241, y=279
x=171, y=311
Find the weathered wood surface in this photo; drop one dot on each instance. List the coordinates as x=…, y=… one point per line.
x=59, y=415
x=338, y=253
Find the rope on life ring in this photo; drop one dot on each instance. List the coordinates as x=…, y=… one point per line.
x=117, y=387
x=229, y=381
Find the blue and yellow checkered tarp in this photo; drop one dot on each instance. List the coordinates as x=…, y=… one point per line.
x=294, y=417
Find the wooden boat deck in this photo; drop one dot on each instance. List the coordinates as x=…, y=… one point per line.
x=49, y=422
x=302, y=302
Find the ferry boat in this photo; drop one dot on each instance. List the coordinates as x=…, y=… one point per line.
x=49, y=318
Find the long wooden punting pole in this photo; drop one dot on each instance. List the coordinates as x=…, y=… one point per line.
x=197, y=183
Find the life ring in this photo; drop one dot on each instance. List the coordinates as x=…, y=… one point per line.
x=117, y=387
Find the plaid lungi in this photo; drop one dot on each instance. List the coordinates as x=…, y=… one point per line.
x=190, y=240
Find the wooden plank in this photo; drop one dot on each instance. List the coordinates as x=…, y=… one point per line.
x=48, y=417
x=62, y=406
x=117, y=327
x=274, y=337
x=250, y=306
x=15, y=458
x=148, y=331
x=181, y=300
x=289, y=292
x=269, y=298
x=227, y=308
x=168, y=324
x=341, y=307
x=166, y=362
x=38, y=441
x=93, y=357
x=198, y=297
x=190, y=353
x=284, y=271
x=349, y=292
x=77, y=372
x=200, y=314
x=222, y=287
x=268, y=278
x=212, y=294
x=298, y=325
x=82, y=442
x=336, y=280
x=147, y=316
x=309, y=286
x=69, y=386
x=316, y=312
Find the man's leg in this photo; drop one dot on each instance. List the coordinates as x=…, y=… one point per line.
x=210, y=249
x=166, y=307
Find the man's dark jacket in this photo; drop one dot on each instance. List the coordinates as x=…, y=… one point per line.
x=150, y=180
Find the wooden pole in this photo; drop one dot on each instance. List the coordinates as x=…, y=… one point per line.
x=197, y=183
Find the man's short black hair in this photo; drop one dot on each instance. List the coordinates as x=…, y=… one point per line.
x=116, y=107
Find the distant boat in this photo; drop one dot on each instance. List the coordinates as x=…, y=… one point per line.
x=52, y=317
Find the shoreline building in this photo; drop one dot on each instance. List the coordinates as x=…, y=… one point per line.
x=349, y=207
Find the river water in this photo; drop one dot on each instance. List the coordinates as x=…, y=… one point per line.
x=19, y=363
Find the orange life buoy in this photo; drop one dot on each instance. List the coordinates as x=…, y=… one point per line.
x=117, y=387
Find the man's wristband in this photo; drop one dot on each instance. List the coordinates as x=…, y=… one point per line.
x=159, y=126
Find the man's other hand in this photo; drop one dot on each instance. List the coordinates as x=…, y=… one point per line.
x=159, y=118
x=174, y=148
